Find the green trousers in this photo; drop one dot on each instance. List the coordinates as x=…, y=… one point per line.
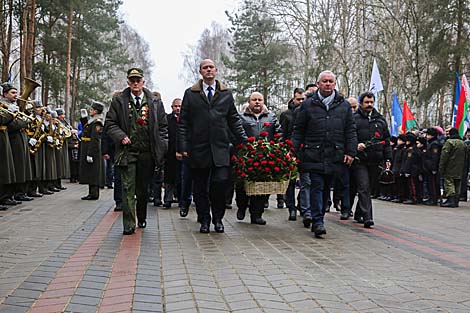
x=136, y=177
x=452, y=187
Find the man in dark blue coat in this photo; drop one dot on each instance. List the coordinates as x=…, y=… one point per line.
x=324, y=137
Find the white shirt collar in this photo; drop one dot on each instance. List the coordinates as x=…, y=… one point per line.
x=205, y=86
x=141, y=96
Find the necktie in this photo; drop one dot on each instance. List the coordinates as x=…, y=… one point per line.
x=137, y=102
x=209, y=93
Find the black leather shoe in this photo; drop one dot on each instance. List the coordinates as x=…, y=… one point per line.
x=167, y=205
x=118, y=208
x=35, y=195
x=86, y=197
x=228, y=206
x=219, y=227
x=344, y=216
x=368, y=224
x=266, y=204
x=47, y=192
x=307, y=221
x=3, y=208
x=184, y=211
x=109, y=186
x=280, y=204
x=157, y=203
x=54, y=189
x=62, y=188
x=241, y=214
x=319, y=230
x=23, y=198
x=258, y=221
x=205, y=228
x=397, y=200
x=430, y=202
x=292, y=215
x=359, y=220
x=142, y=224
x=128, y=231
x=409, y=201
x=9, y=201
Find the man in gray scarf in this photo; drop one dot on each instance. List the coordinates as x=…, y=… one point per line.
x=324, y=139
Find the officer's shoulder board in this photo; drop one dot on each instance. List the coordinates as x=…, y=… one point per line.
x=435, y=150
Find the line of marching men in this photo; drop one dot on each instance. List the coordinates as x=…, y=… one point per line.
x=33, y=149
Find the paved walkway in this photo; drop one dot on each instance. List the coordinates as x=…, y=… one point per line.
x=61, y=254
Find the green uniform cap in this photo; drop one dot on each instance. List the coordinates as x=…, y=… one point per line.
x=135, y=72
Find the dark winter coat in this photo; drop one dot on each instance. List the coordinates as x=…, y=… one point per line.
x=118, y=125
x=397, y=158
x=411, y=161
x=323, y=137
x=171, y=163
x=453, y=156
x=432, y=156
x=92, y=173
x=286, y=119
x=20, y=150
x=204, y=126
x=7, y=170
x=253, y=125
x=375, y=134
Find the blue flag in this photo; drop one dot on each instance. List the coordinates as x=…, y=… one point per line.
x=457, y=97
x=397, y=115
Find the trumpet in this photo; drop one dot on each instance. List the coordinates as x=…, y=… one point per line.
x=17, y=115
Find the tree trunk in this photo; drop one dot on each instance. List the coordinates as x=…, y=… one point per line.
x=67, y=106
x=6, y=33
x=30, y=39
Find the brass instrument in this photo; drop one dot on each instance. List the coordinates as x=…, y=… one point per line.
x=29, y=86
x=38, y=136
x=17, y=115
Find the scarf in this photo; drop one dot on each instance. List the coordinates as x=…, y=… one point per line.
x=327, y=101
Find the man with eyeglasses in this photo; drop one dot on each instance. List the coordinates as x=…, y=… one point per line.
x=137, y=123
x=286, y=120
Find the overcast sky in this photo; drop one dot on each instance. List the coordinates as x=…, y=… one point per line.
x=170, y=26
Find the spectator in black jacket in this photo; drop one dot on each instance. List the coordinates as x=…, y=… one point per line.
x=399, y=188
x=411, y=170
x=324, y=137
x=373, y=151
x=431, y=159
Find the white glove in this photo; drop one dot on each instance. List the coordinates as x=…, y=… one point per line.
x=57, y=142
x=83, y=113
x=50, y=139
x=407, y=175
x=28, y=106
x=32, y=142
x=13, y=108
x=89, y=159
x=42, y=127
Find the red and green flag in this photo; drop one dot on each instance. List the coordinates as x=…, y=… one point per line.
x=408, y=120
x=462, y=119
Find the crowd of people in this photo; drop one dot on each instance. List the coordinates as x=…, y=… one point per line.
x=343, y=149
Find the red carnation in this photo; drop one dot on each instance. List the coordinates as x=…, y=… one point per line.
x=267, y=124
x=289, y=142
x=243, y=175
x=251, y=139
x=256, y=164
x=277, y=135
x=291, y=167
x=272, y=155
x=288, y=156
x=271, y=163
x=140, y=121
x=260, y=155
x=382, y=142
x=278, y=160
x=277, y=151
x=240, y=146
x=263, y=134
x=234, y=158
x=281, y=145
x=284, y=163
x=277, y=169
x=377, y=134
x=267, y=170
x=264, y=162
x=250, y=160
x=250, y=169
x=260, y=142
x=272, y=142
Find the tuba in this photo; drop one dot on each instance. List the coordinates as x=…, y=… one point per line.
x=29, y=86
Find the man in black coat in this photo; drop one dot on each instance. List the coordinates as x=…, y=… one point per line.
x=208, y=114
x=373, y=149
x=172, y=172
x=324, y=137
x=431, y=158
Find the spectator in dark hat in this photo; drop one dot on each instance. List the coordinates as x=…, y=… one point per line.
x=431, y=166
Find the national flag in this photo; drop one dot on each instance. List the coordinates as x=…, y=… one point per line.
x=397, y=116
x=375, y=83
x=457, y=97
x=408, y=120
x=462, y=109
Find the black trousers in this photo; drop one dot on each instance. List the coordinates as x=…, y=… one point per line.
x=434, y=189
x=210, y=187
x=363, y=175
x=254, y=203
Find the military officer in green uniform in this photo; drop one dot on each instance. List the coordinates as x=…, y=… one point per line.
x=136, y=121
x=91, y=162
x=451, y=166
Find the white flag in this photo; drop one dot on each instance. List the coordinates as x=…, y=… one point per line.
x=375, y=80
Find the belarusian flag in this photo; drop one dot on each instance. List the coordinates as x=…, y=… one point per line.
x=408, y=120
x=462, y=115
